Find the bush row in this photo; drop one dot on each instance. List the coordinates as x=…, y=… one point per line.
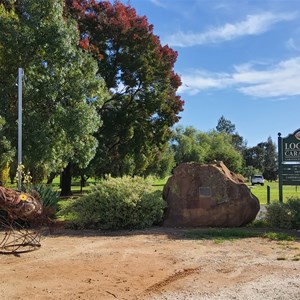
x=285, y=215
x=116, y=203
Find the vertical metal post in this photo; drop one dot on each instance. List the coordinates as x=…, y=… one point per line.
x=268, y=194
x=280, y=167
x=20, y=79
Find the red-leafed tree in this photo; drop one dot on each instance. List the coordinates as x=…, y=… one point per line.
x=138, y=71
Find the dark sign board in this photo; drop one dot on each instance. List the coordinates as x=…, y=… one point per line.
x=290, y=179
x=291, y=174
x=288, y=160
x=291, y=169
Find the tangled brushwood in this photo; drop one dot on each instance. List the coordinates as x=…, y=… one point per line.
x=17, y=211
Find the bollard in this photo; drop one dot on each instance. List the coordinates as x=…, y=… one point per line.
x=268, y=194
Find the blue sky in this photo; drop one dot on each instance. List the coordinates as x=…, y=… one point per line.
x=236, y=58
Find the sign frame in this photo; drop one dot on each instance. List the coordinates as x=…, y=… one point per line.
x=288, y=160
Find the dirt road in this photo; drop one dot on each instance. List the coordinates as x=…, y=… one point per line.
x=153, y=264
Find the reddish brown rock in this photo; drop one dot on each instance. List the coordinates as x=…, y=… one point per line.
x=208, y=195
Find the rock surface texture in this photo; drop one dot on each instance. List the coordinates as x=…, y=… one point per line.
x=208, y=195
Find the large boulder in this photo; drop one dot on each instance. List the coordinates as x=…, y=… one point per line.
x=208, y=195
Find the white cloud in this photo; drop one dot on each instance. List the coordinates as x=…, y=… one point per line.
x=197, y=81
x=292, y=44
x=252, y=25
x=158, y=3
x=280, y=80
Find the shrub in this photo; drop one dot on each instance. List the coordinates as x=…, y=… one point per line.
x=278, y=216
x=294, y=207
x=285, y=215
x=4, y=174
x=116, y=203
x=48, y=197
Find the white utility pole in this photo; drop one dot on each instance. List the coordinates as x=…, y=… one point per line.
x=20, y=79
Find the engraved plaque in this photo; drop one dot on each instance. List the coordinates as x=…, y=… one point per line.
x=204, y=192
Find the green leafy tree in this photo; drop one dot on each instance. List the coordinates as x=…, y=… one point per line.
x=222, y=149
x=263, y=157
x=249, y=171
x=165, y=162
x=254, y=156
x=6, y=154
x=6, y=150
x=61, y=90
x=225, y=126
x=192, y=145
x=138, y=71
x=270, y=161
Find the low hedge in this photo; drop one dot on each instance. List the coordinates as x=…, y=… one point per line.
x=116, y=203
x=285, y=215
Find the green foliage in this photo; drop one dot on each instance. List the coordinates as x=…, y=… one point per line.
x=285, y=215
x=263, y=157
x=138, y=71
x=116, y=203
x=261, y=192
x=61, y=90
x=192, y=145
x=225, y=234
x=48, y=196
x=222, y=149
x=165, y=162
x=249, y=171
x=6, y=150
x=4, y=174
x=228, y=128
x=257, y=224
x=278, y=216
x=294, y=206
x=225, y=126
x=270, y=161
x=278, y=236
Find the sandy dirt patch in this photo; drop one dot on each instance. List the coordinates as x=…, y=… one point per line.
x=159, y=263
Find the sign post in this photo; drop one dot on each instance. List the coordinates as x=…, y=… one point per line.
x=280, y=167
x=288, y=161
x=20, y=79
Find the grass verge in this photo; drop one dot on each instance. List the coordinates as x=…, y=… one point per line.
x=229, y=234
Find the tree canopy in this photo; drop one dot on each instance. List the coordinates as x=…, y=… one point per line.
x=192, y=145
x=263, y=157
x=225, y=126
x=100, y=95
x=138, y=72
x=61, y=89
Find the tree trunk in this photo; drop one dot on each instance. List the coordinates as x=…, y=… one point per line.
x=82, y=182
x=66, y=179
x=50, y=178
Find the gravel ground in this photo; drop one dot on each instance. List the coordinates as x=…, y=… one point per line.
x=160, y=263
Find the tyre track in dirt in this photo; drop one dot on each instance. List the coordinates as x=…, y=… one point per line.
x=171, y=279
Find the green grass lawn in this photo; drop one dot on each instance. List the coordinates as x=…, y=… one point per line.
x=230, y=234
x=261, y=192
x=76, y=188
